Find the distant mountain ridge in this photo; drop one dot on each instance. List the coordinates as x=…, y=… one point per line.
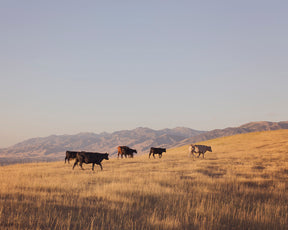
x=246, y=128
x=53, y=147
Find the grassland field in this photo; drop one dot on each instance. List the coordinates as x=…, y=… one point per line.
x=242, y=184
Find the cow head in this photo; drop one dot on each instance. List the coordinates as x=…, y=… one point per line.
x=164, y=150
x=134, y=151
x=106, y=156
x=209, y=148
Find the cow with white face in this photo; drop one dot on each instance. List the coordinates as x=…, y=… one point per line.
x=200, y=149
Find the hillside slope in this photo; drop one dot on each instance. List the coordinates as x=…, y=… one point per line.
x=246, y=128
x=242, y=184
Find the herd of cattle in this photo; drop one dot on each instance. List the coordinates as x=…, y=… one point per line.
x=96, y=158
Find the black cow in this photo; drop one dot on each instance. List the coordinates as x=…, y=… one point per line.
x=70, y=155
x=156, y=151
x=90, y=158
x=126, y=151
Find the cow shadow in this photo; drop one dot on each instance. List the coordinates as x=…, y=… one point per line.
x=212, y=171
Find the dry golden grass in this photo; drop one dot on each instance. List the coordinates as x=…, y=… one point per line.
x=242, y=184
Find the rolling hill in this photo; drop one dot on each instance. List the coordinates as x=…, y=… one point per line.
x=242, y=184
x=246, y=128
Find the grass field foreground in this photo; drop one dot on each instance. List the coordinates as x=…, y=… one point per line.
x=242, y=184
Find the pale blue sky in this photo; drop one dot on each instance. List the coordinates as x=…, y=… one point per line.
x=92, y=66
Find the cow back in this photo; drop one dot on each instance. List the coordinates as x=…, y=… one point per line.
x=202, y=148
x=71, y=154
x=126, y=150
x=92, y=157
x=157, y=150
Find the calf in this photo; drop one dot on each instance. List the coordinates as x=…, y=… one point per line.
x=90, y=158
x=70, y=155
x=200, y=149
x=158, y=151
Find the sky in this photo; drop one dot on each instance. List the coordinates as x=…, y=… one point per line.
x=101, y=66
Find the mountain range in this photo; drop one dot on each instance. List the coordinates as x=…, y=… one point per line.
x=53, y=147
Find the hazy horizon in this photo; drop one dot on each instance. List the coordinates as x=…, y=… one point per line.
x=63, y=134
x=70, y=67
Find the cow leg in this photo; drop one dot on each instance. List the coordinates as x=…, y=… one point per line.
x=93, y=166
x=204, y=153
x=81, y=165
x=192, y=153
x=76, y=162
x=68, y=159
x=100, y=166
x=193, y=156
x=160, y=155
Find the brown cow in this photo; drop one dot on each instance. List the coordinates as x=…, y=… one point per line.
x=126, y=151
